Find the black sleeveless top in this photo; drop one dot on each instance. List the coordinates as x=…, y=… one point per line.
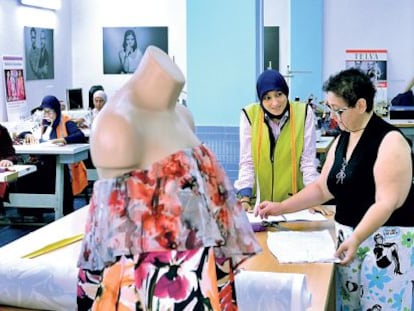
x=352, y=183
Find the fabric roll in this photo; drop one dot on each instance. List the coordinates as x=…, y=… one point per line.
x=38, y=284
x=271, y=291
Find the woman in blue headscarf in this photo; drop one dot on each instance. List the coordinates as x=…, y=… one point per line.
x=277, y=144
x=58, y=129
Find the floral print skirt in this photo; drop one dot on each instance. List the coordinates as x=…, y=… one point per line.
x=168, y=280
x=381, y=277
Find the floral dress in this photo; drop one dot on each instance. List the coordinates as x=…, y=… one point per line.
x=165, y=238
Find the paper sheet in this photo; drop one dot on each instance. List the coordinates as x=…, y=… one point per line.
x=302, y=246
x=50, y=144
x=303, y=215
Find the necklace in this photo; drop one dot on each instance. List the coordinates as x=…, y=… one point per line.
x=341, y=174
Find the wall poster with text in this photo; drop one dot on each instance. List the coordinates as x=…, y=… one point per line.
x=14, y=88
x=374, y=63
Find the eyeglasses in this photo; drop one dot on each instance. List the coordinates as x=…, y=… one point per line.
x=338, y=112
x=48, y=111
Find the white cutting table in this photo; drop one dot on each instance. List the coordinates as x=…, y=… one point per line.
x=14, y=172
x=66, y=154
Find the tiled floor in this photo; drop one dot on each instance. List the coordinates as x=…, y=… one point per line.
x=9, y=233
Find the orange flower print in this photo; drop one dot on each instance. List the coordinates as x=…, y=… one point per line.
x=139, y=190
x=176, y=167
x=163, y=228
x=108, y=292
x=117, y=202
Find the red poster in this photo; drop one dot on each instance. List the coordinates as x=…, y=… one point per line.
x=14, y=88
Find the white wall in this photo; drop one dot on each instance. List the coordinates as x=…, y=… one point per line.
x=379, y=24
x=371, y=24
x=78, y=40
x=355, y=24
x=13, y=19
x=88, y=19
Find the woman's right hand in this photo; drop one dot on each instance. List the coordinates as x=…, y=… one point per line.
x=267, y=208
x=29, y=139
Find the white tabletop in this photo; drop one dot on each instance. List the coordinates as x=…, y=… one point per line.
x=400, y=122
x=16, y=171
x=63, y=228
x=49, y=148
x=323, y=144
x=65, y=154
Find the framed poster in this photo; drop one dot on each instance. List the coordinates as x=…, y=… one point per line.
x=14, y=88
x=374, y=64
x=123, y=47
x=39, y=53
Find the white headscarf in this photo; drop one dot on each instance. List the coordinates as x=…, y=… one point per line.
x=100, y=94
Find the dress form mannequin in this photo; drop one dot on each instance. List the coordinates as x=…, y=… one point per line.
x=141, y=122
x=164, y=229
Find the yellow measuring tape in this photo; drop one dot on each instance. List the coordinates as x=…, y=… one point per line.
x=54, y=246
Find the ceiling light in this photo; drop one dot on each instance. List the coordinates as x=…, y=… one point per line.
x=46, y=4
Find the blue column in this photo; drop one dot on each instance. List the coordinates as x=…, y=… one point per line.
x=221, y=59
x=307, y=48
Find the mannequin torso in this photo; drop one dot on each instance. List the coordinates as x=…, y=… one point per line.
x=141, y=124
x=162, y=204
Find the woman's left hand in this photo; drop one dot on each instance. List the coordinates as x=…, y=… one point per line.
x=58, y=141
x=326, y=211
x=347, y=250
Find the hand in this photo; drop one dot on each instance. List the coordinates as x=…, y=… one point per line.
x=80, y=122
x=6, y=163
x=58, y=141
x=347, y=250
x=247, y=207
x=267, y=208
x=321, y=209
x=29, y=139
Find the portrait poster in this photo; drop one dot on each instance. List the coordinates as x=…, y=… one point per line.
x=374, y=64
x=38, y=43
x=123, y=47
x=14, y=88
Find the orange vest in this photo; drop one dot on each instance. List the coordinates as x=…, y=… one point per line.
x=78, y=169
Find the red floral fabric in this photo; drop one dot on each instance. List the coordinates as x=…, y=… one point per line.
x=175, y=230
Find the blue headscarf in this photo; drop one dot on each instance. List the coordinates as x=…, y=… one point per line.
x=271, y=80
x=51, y=102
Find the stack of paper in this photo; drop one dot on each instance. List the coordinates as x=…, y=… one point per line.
x=302, y=246
x=303, y=215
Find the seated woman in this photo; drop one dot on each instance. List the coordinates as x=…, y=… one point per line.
x=99, y=100
x=57, y=129
x=7, y=158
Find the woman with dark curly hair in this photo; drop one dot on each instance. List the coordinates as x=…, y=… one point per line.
x=369, y=172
